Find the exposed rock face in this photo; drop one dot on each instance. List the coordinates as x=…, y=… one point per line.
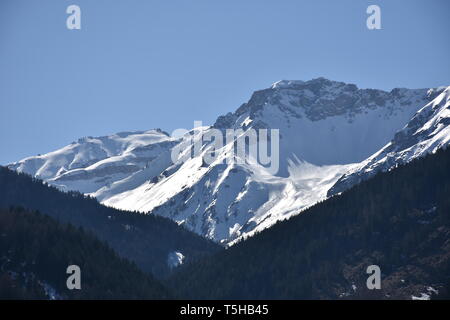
x=427, y=132
x=327, y=130
x=321, y=98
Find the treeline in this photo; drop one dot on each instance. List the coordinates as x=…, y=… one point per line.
x=144, y=239
x=398, y=220
x=35, y=252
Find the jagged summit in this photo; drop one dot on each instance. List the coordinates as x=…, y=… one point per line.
x=329, y=132
x=427, y=132
x=320, y=98
x=287, y=84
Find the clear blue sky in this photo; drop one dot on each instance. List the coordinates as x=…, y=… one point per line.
x=137, y=65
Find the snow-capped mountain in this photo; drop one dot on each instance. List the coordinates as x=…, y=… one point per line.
x=427, y=132
x=91, y=164
x=326, y=129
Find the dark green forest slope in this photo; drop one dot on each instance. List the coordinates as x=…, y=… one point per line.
x=144, y=239
x=398, y=220
x=35, y=252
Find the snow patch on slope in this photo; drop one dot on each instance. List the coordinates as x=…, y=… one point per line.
x=174, y=259
x=427, y=132
x=326, y=129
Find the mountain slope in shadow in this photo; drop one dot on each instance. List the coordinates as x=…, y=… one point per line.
x=147, y=240
x=35, y=252
x=398, y=220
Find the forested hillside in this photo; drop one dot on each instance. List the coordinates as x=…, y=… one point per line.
x=35, y=252
x=146, y=240
x=398, y=220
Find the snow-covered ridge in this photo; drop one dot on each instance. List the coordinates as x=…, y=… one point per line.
x=320, y=98
x=328, y=129
x=92, y=163
x=428, y=131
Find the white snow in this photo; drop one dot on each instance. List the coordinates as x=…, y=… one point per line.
x=227, y=202
x=423, y=296
x=174, y=259
x=427, y=132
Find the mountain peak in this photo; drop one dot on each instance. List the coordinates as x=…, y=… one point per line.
x=300, y=84
x=332, y=126
x=285, y=84
x=321, y=98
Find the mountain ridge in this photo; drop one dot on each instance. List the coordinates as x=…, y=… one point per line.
x=427, y=132
x=148, y=241
x=327, y=129
x=324, y=252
